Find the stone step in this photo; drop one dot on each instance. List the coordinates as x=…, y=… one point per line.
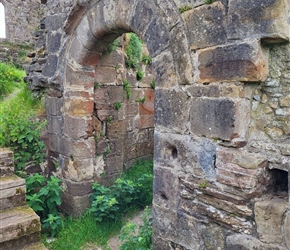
x=20, y=227
x=6, y=162
x=12, y=192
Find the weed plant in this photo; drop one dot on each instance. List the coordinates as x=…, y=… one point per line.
x=44, y=196
x=127, y=88
x=133, y=51
x=139, y=75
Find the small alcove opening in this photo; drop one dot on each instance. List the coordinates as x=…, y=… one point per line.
x=280, y=181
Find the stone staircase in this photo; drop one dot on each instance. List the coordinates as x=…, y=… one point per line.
x=19, y=224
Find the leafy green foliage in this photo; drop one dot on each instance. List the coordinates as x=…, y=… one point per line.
x=43, y=196
x=146, y=59
x=133, y=51
x=113, y=46
x=141, y=100
x=142, y=241
x=127, y=88
x=125, y=193
x=10, y=77
x=152, y=84
x=22, y=136
x=118, y=105
x=184, y=8
x=139, y=75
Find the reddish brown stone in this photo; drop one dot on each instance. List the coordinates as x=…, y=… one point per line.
x=105, y=75
x=245, y=61
x=79, y=107
x=79, y=78
x=146, y=121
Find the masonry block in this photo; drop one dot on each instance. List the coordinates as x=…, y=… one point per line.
x=242, y=170
x=206, y=25
x=53, y=105
x=83, y=78
x=77, y=128
x=269, y=216
x=78, y=169
x=245, y=61
x=165, y=189
x=258, y=19
x=185, y=153
x=105, y=75
x=247, y=242
x=79, y=107
x=168, y=104
x=223, y=118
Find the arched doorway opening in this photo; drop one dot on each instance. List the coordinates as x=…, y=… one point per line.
x=72, y=112
x=2, y=22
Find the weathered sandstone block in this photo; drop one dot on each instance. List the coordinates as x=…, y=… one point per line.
x=242, y=170
x=222, y=118
x=206, y=25
x=269, y=217
x=258, y=19
x=286, y=229
x=245, y=61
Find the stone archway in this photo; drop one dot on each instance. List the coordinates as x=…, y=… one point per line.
x=91, y=28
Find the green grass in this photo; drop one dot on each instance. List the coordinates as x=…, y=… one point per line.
x=77, y=232
x=10, y=79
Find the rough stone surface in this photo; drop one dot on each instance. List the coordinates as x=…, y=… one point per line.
x=269, y=216
x=219, y=112
x=258, y=18
x=246, y=61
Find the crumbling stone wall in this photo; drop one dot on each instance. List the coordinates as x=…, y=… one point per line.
x=22, y=20
x=221, y=140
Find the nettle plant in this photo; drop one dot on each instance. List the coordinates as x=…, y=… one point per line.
x=44, y=196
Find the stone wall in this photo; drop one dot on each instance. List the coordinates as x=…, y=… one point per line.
x=221, y=139
x=22, y=20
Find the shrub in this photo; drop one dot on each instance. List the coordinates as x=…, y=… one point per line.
x=125, y=193
x=139, y=75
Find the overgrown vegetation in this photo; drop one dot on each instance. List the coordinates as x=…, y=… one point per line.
x=139, y=75
x=10, y=78
x=127, y=88
x=44, y=196
x=118, y=105
x=133, y=51
x=19, y=130
x=140, y=100
x=146, y=59
x=143, y=240
x=125, y=193
x=97, y=225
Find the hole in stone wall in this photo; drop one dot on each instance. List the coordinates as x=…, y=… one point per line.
x=174, y=152
x=2, y=22
x=280, y=181
x=163, y=195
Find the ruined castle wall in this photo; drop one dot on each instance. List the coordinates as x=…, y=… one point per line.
x=221, y=140
x=22, y=20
